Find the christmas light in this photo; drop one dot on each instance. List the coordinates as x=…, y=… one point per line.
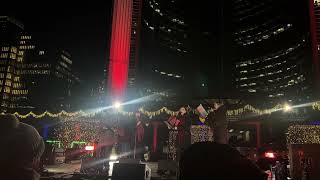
x=303, y=134
x=230, y=112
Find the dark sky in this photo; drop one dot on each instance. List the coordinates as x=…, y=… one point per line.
x=81, y=28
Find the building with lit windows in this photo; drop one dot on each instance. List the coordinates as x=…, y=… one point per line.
x=32, y=78
x=164, y=43
x=12, y=49
x=272, y=52
x=180, y=53
x=49, y=79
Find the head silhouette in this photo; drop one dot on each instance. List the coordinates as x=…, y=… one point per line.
x=212, y=161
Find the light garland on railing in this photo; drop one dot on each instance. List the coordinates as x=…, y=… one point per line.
x=47, y=113
x=250, y=108
x=234, y=112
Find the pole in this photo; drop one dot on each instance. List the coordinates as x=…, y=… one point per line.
x=135, y=144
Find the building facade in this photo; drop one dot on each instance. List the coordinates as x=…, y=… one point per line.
x=13, y=91
x=272, y=52
x=181, y=51
x=163, y=46
x=49, y=79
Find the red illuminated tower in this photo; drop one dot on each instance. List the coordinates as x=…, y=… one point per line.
x=124, y=43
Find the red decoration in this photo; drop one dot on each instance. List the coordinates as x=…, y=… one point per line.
x=139, y=128
x=120, y=47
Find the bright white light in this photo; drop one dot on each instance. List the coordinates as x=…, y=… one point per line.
x=89, y=148
x=117, y=105
x=287, y=108
x=113, y=157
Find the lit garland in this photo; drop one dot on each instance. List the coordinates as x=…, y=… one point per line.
x=250, y=108
x=316, y=106
x=234, y=112
x=201, y=133
x=172, y=149
x=304, y=134
x=47, y=113
x=67, y=131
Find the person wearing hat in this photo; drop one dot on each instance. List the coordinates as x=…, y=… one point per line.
x=21, y=149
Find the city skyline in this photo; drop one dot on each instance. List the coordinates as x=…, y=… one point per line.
x=85, y=32
x=81, y=29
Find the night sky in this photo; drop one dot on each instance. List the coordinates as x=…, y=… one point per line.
x=81, y=28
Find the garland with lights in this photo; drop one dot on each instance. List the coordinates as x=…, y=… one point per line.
x=316, y=106
x=233, y=112
x=201, y=133
x=303, y=134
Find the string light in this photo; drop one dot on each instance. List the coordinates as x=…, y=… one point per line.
x=233, y=112
x=303, y=134
x=316, y=106
x=201, y=134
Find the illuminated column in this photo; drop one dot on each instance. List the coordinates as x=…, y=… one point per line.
x=120, y=48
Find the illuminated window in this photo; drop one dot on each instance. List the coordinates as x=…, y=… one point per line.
x=4, y=55
x=21, y=53
x=5, y=49
x=13, y=56
x=41, y=52
x=9, y=75
x=13, y=50
x=7, y=90
x=8, y=83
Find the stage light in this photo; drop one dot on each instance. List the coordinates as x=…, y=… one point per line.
x=269, y=155
x=287, y=108
x=117, y=105
x=113, y=157
x=89, y=148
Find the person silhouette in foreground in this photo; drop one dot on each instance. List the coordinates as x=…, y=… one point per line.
x=21, y=149
x=212, y=161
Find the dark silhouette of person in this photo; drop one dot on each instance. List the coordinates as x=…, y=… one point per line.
x=218, y=122
x=212, y=161
x=21, y=149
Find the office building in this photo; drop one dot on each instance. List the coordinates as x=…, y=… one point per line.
x=12, y=49
x=272, y=52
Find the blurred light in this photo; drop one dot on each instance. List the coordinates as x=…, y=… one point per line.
x=89, y=148
x=287, y=108
x=113, y=157
x=241, y=132
x=231, y=130
x=269, y=155
x=117, y=105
